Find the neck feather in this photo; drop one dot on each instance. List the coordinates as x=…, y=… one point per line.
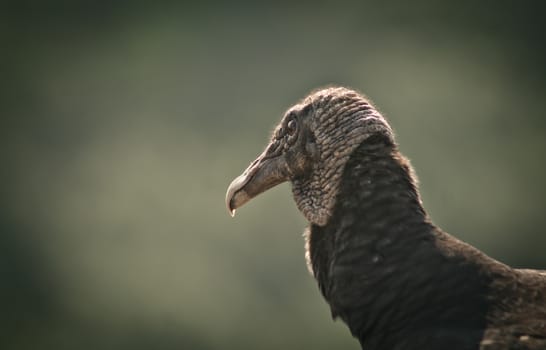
x=380, y=190
x=377, y=261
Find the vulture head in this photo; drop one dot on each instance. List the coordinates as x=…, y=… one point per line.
x=309, y=148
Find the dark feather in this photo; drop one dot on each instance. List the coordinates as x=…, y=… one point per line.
x=398, y=281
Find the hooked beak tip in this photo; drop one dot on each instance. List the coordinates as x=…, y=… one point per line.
x=261, y=175
x=230, y=209
x=234, y=194
x=229, y=204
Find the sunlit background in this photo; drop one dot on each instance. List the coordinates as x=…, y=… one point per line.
x=122, y=126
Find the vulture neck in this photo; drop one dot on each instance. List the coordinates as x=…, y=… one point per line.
x=379, y=191
x=378, y=264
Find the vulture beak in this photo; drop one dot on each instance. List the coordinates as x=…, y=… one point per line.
x=262, y=174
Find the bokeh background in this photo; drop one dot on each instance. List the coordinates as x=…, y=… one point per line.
x=124, y=122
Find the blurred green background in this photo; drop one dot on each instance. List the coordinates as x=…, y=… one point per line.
x=124, y=122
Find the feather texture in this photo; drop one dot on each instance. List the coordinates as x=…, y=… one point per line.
x=398, y=281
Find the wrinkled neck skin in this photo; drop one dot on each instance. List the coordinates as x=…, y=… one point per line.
x=337, y=135
x=377, y=263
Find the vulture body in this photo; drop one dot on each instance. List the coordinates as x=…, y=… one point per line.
x=398, y=281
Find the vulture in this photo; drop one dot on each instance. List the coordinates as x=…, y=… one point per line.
x=398, y=281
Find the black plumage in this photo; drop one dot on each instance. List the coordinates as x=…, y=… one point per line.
x=397, y=280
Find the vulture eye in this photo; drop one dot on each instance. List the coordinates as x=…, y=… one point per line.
x=291, y=127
